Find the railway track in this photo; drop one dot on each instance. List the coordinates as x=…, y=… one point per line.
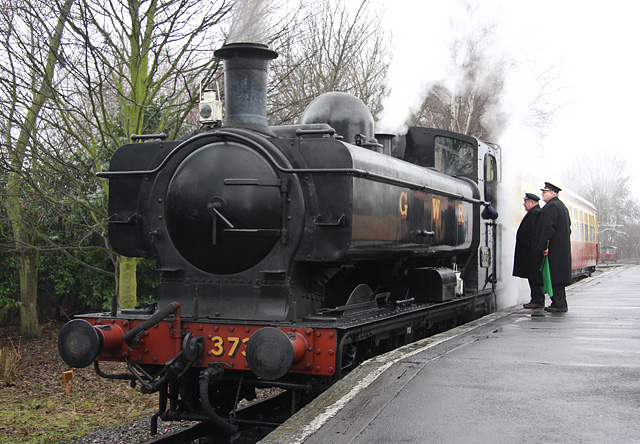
x=253, y=423
x=205, y=434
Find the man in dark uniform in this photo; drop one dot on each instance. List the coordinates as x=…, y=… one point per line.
x=553, y=239
x=522, y=257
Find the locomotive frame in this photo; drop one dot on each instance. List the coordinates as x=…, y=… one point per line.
x=288, y=255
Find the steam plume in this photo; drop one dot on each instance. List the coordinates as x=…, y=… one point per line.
x=249, y=18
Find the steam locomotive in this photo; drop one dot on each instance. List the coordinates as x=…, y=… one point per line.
x=288, y=255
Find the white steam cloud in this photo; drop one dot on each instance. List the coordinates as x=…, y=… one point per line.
x=525, y=168
x=249, y=21
x=423, y=36
x=417, y=63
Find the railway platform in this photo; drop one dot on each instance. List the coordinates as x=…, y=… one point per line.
x=513, y=376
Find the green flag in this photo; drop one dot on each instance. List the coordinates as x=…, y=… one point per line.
x=546, y=276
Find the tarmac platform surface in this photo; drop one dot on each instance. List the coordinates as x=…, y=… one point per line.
x=515, y=376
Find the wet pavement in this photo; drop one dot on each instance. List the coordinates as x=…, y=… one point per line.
x=514, y=376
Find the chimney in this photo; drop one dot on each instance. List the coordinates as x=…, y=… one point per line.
x=245, y=84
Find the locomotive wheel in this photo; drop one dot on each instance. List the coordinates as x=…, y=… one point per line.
x=354, y=354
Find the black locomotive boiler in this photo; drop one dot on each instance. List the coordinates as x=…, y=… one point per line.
x=287, y=255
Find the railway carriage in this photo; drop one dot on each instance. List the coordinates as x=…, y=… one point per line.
x=608, y=254
x=584, y=234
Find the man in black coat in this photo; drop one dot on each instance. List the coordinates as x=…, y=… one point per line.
x=553, y=239
x=522, y=256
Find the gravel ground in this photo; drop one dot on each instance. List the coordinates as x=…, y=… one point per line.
x=134, y=432
x=137, y=432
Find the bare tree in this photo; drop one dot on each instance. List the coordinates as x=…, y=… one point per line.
x=329, y=46
x=604, y=180
x=468, y=101
x=545, y=104
x=125, y=68
x=136, y=70
x=31, y=43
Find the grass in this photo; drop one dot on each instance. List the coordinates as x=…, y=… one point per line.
x=34, y=419
x=34, y=405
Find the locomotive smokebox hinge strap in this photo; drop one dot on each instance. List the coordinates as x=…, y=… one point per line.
x=258, y=232
x=113, y=219
x=323, y=222
x=281, y=183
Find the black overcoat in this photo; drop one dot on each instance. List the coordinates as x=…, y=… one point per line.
x=553, y=228
x=524, y=239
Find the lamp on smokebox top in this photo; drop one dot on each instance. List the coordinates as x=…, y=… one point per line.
x=67, y=377
x=210, y=107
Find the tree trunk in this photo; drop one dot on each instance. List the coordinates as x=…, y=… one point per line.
x=126, y=281
x=17, y=152
x=28, y=267
x=27, y=256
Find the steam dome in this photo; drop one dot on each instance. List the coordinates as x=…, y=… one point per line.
x=344, y=112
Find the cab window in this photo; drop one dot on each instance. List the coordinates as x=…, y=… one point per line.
x=491, y=179
x=453, y=157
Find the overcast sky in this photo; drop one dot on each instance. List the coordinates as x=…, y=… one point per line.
x=594, y=44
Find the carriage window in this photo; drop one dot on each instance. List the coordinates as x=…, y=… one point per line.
x=453, y=157
x=586, y=227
